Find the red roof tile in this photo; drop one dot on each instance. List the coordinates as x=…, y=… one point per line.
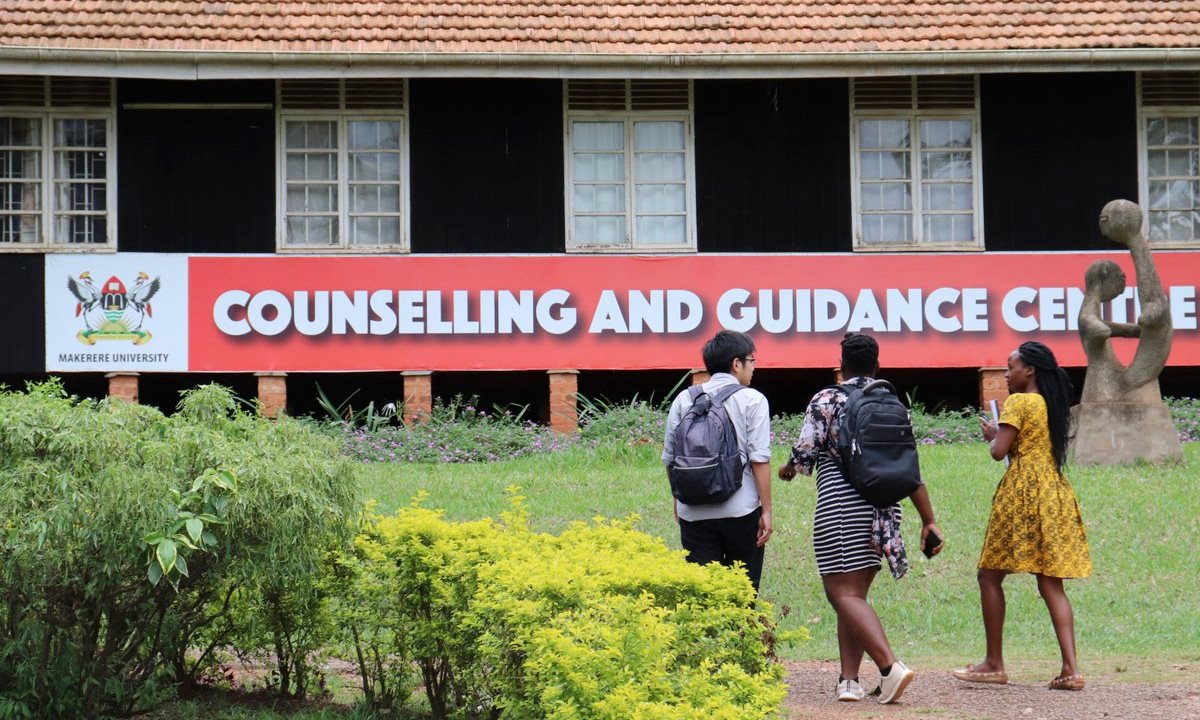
x=597, y=26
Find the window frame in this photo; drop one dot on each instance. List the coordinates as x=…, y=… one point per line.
x=915, y=117
x=630, y=118
x=1144, y=113
x=342, y=118
x=49, y=243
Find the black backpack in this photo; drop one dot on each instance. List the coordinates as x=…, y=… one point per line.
x=708, y=467
x=876, y=448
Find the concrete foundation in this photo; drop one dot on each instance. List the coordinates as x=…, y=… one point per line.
x=1123, y=433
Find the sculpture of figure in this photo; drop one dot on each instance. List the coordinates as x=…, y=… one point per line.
x=1107, y=379
x=1121, y=416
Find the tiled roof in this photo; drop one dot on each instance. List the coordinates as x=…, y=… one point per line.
x=598, y=26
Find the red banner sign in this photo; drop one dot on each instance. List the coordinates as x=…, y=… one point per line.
x=331, y=314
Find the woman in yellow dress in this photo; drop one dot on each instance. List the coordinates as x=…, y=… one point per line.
x=1035, y=525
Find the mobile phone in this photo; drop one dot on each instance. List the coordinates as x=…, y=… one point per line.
x=932, y=540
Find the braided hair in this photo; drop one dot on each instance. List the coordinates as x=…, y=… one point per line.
x=860, y=354
x=1055, y=387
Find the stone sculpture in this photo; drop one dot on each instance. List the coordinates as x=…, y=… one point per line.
x=1121, y=417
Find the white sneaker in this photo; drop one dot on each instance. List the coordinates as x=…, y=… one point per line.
x=850, y=691
x=892, y=686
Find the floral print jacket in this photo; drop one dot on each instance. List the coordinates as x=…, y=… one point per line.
x=818, y=436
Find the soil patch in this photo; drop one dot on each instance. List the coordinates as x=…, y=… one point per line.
x=937, y=695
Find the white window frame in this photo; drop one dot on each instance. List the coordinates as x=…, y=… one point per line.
x=1143, y=152
x=341, y=118
x=915, y=117
x=629, y=118
x=49, y=242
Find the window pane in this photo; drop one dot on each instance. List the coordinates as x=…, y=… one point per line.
x=661, y=230
x=311, y=198
x=661, y=198
x=1182, y=195
x=885, y=165
x=375, y=231
x=658, y=135
x=883, y=134
x=16, y=164
x=946, y=196
x=1158, y=226
x=947, y=229
x=375, y=166
x=20, y=132
x=659, y=166
x=20, y=196
x=1181, y=226
x=311, y=230
x=600, y=230
x=1156, y=163
x=372, y=134
x=83, y=229
x=598, y=135
x=946, y=134
x=80, y=197
x=1180, y=131
x=79, y=133
x=80, y=165
x=886, y=196
x=375, y=198
x=1181, y=162
x=599, y=166
x=887, y=229
x=599, y=198
x=946, y=165
x=1158, y=195
x=20, y=229
x=311, y=166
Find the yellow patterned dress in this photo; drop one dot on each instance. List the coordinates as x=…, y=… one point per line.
x=1035, y=526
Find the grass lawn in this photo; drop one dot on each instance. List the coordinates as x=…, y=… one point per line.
x=1143, y=523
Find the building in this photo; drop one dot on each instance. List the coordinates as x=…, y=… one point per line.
x=575, y=194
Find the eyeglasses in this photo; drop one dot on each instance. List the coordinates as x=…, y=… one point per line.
x=749, y=359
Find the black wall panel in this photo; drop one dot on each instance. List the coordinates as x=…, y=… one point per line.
x=24, y=350
x=486, y=166
x=773, y=165
x=196, y=180
x=1056, y=148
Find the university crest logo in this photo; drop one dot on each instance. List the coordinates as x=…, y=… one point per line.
x=110, y=312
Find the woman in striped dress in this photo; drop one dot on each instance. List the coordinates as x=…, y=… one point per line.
x=851, y=536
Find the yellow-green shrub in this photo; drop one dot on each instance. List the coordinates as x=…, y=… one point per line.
x=601, y=621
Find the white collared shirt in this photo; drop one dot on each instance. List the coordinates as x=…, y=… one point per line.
x=751, y=417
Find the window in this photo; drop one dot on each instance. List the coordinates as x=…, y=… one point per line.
x=629, y=166
x=1169, y=160
x=56, y=163
x=343, y=165
x=915, y=163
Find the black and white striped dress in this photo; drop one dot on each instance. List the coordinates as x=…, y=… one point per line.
x=842, y=521
x=841, y=524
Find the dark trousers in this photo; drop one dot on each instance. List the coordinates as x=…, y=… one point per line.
x=725, y=540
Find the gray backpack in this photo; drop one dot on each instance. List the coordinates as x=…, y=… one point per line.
x=707, y=467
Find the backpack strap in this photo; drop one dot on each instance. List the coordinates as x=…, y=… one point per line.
x=726, y=392
x=696, y=391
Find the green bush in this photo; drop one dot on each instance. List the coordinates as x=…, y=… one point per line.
x=1186, y=413
x=100, y=501
x=601, y=621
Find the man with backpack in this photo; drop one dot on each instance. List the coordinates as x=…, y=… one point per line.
x=718, y=453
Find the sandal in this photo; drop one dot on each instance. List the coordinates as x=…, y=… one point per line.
x=1067, y=682
x=969, y=674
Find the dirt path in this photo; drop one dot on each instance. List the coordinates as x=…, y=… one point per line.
x=936, y=695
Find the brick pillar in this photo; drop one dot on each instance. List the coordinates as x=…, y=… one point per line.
x=837, y=376
x=418, y=395
x=992, y=387
x=123, y=386
x=700, y=377
x=272, y=393
x=564, y=391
